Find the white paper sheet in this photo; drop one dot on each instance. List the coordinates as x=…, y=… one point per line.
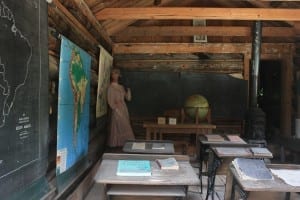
x=289, y=176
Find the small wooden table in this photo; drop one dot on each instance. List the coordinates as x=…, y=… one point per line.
x=275, y=185
x=167, y=147
x=160, y=183
x=156, y=131
x=225, y=158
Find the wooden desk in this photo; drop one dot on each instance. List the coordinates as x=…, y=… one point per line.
x=225, y=158
x=276, y=185
x=160, y=183
x=205, y=145
x=156, y=131
x=168, y=147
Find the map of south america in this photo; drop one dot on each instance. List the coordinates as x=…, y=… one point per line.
x=79, y=83
x=9, y=65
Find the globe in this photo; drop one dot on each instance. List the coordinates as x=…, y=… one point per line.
x=192, y=103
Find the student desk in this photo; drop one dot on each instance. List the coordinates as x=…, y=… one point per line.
x=276, y=185
x=160, y=183
x=156, y=131
x=225, y=158
x=205, y=145
x=167, y=147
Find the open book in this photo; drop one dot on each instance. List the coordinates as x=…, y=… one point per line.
x=252, y=169
x=168, y=163
x=134, y=168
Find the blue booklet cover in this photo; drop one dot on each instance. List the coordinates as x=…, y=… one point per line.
x=134, y=168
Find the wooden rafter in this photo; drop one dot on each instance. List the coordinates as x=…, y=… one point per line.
x=67, y=16
x=85, y=10
x=158, y=48
x=208, y=30
x=199, y=13
x=113, y=26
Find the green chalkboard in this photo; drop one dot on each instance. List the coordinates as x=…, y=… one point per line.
x=23, y=94
x=155, y=92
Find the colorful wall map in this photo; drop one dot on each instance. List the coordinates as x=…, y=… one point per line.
x=105, y=65
x=73, y=105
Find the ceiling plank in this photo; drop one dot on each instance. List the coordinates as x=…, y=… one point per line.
x=134, y=31
x=68, y=17
x=85, y=10
x=159, y=48
x=199, y=13
x=113, y=26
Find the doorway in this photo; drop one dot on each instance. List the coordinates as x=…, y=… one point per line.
x=269, y=95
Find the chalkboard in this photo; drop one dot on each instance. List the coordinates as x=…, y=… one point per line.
x=23, y=94
x=155, y=92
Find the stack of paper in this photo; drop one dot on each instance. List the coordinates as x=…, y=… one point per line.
x=168, y=163
x=252, y=169
x=289, y=176
x=134, y=168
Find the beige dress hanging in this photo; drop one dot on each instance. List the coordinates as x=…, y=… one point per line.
x=120, y=128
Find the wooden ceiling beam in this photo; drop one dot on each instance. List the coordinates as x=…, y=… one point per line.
x=134, y=31
x=275, y=14
x=85, y=10
x=69, y=18
x=113, y=26
x=161, y=48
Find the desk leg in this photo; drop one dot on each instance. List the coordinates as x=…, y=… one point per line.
x=243, y=194
x=212, y=172
x=148, y=134
x=201, y=160
x=229, y=185
x=105, y=191
x=287, y=196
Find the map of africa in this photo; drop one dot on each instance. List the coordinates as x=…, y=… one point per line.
x=10, y=66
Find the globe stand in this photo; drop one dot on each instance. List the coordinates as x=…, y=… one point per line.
x=196, y=120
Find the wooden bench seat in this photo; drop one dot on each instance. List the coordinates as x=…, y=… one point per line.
x=146, y=190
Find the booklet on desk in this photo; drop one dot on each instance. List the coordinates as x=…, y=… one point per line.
x=139, y=145
x=260, y=151
x=134, y=168
x=168, y=163
x=235, y=138
x=158, y=146
x=252, y=169
x=214, y=138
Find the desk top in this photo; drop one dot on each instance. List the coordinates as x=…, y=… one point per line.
x=276, y=185
x=237, y=151
x=186, y=175
x=179, y=126
x=167, y=147
x=226, y=142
